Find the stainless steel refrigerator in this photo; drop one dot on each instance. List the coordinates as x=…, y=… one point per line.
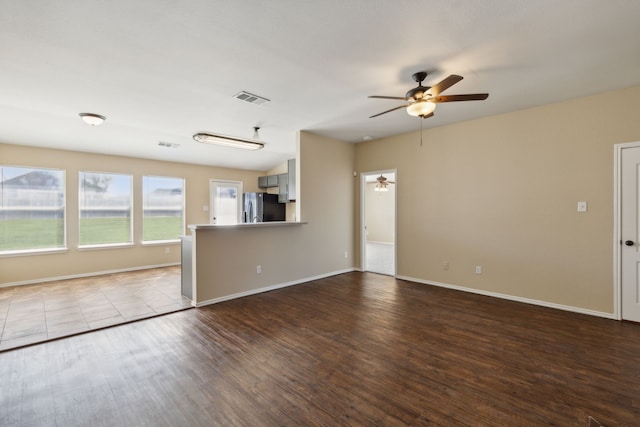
x=262, y=207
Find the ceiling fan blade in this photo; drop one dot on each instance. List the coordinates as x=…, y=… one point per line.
x=389, y=97
x=388, y=111
x=455, y=98
x=445, y=84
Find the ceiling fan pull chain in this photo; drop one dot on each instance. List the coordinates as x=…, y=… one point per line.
x=420, y=133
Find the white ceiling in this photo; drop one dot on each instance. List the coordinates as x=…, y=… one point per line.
x=161, y=70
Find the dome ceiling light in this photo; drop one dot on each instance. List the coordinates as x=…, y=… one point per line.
x=92, y=119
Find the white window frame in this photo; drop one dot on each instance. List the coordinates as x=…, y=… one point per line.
x=183, y=214
x=55, y=249
x=91, y=246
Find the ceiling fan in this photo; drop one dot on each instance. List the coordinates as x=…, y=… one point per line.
x=382, y=183
x=421, y=100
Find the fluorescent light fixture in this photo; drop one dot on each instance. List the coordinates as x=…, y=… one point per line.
x=421, y=108
x=92, y=119
x=228, y=141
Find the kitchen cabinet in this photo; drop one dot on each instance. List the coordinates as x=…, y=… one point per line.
x=269, y=181
x=285, y=182
x=291, y=176
x=283, y=188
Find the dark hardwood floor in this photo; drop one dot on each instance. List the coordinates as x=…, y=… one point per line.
x=355, y=349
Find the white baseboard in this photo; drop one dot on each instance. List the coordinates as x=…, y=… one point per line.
x=513, y=298
x=270, y=288
x=78, y=276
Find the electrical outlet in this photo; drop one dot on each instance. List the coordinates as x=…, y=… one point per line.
x=167, y=250
x=346, y=254
x=582, y=206
x=445, y=265
x=478, y=269
x=258, y=269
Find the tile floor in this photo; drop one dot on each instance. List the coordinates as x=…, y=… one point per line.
x=381, y=258
x=41, y=312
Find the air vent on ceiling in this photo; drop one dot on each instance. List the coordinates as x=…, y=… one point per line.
x=168, y=144
x=249, y=97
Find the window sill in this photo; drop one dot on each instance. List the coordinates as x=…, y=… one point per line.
x=31, y=252
x=107, y=246
x=160, y=242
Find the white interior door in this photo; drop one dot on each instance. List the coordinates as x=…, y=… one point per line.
x=225, y=202
x=629, y=233
x=379, y=223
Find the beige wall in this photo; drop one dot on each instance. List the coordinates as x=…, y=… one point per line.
x=226, y=258
x=18, y=269
x=380, y=213
x=501, y=192
x=326, y=198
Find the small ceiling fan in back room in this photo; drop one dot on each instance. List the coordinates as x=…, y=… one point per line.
x=421, y=100
x=382, y=183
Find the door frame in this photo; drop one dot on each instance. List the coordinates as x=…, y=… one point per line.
x=240, y=184
x=363, y=218
x=617, y=225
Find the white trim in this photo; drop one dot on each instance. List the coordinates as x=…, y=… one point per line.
x=363, y=218
x=240, y=202
x=513, y=298
x=182, y=213
x=160, y=242
x=78, y=276
x=106, y=246
x=270, y=288
x=617, y=300
x=617, y=223
x=33, y=252
x=132, y=211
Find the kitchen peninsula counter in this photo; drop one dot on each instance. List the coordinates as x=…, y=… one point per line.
x=222, y=262
x=193, y=227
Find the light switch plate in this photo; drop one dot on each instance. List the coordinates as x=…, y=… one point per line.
x=582, y=206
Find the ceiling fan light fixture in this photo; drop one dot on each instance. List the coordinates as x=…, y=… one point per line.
x=381, y=185
x=92, y=119
x=227, y=141
x=421, y=108
x=422, y=100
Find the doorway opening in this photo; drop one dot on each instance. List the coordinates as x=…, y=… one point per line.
x=378, y=222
